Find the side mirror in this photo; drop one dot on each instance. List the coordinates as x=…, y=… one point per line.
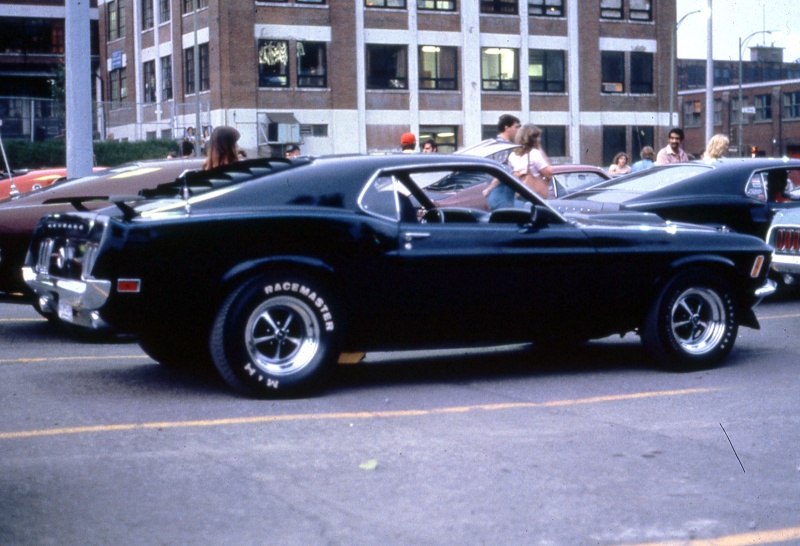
x=542, y=216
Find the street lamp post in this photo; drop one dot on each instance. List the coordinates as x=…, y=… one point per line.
x=742, y=43
x=672, y=66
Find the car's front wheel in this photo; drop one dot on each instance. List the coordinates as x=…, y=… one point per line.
x=692, y=324
x=277, y=336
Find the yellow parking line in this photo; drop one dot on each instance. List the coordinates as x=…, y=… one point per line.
x=348, y=415
x=774, y=536
x=794, y=315
x=22, y=319
x=67, y=358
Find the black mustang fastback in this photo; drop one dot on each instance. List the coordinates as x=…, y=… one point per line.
x=272, y=275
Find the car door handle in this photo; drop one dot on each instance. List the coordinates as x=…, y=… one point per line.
x=409, y=237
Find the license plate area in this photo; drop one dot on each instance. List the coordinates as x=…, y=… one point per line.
x=65, y=312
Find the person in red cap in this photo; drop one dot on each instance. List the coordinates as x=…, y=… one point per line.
x=408, y=143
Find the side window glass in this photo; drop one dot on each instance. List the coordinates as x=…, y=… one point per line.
x=756, y=188
x=379, y=198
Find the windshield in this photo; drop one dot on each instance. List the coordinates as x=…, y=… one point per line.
x=635, y=185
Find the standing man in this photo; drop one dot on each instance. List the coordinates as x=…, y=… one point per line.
x=672, y=152
x=499, y=195
x=408, y=143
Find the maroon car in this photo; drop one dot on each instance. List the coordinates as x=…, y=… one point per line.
x=20, y=214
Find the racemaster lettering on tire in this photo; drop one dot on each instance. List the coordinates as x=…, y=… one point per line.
x=276, y=336
x=692, y=325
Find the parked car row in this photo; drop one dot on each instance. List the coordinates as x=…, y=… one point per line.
x=33, y=180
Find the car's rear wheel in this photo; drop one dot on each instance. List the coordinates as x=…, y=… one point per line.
x=692, y=324
x=277, y=336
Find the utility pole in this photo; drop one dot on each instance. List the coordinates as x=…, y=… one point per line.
x=77, y=49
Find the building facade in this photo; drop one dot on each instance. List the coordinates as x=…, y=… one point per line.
x=767, y=118
x=32, y=40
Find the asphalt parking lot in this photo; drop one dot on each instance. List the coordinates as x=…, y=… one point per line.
x=506, y=445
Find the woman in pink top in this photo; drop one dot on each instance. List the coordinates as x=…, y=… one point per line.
x=529, y=161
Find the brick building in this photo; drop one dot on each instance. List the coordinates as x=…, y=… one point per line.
x=769, y=109
x=342, y=76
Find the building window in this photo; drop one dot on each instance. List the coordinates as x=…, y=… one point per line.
x=695, y=76
x=311, y=65
x=385, y=3
x=117, y=86
x=438, y=67
x=309, y=1
x=189, y=5
x=166, y=78
x=149, y=80
x=717, y=111
x=499, y=69
x=445, y=136
x=692, y=113
x=273, y=63
x=554, y=140
x=507, y=7
x=549, y=8
x=188, y=56
x=736, y=111
x=163, y=11
x=546, y=70
x=791, y=105
x=147, y=14
x=613, y=71
x=641, y=72
x=115, y=10
x=611, y=9
x=387, y=67
x=763, y=107
x=641, y=10
x=436, y=5
x=613, y=142
x=315, y=130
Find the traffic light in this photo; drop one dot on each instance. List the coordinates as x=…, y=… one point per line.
x=753, y=151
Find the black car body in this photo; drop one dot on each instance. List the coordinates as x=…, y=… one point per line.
x=20, y=214
x=271, y=278
x=740, y=194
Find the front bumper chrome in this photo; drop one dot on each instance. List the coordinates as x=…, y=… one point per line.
x=767, y=289
x=73, y=301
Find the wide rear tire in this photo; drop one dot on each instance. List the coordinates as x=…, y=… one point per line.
x=692, y=324
x=277, y=336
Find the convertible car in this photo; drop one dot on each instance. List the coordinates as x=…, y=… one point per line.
x=20, y=214
x=269, y=277
x=739, y=194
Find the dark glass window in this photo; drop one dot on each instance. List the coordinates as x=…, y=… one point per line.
x=546, y=70
x=149, y=81
x=166, y=78
x=692, y=113
x=147, y=14
x=548, y=8
x=763, y=107
x=791, y=105
x=311, y=65
x=554, y=140
x=499, y=69
x=641, y=72
x=387, y=67
x=613, y=71
x=115, y=11
x=736, y=110
x=641, y=136
x=189, y=5
x=436, y=5
x=118, y=86
x=188, y=56
x=33, y=36
x=438, y=67
x=508, y=7
x=613, y=142
x=717, y=111
x=163, y=11
x=273, y=63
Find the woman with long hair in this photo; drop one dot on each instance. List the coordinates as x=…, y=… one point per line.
x=717, y=147
x=222, y=147
x=529, y=161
